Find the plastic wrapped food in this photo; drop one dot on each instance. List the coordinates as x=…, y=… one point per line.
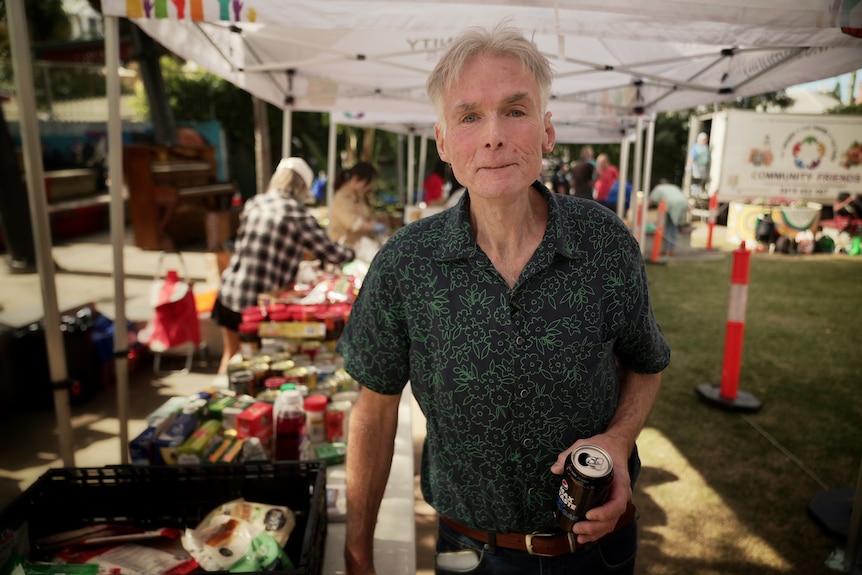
x=241, y=537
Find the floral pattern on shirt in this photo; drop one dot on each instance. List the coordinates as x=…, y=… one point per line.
x=507, y=378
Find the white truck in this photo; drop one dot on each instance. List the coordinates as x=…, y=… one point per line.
x=763, y=156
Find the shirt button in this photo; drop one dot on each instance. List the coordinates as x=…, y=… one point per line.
x=519, y=340
x=524, y=393
x=528, y=443
x=531, y=491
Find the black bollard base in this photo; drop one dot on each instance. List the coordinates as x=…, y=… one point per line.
x=832, y=509
x=743, y=401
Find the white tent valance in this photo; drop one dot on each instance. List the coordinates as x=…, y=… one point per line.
x=610, y=59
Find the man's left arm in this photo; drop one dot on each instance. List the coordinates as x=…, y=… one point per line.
x=638, y=394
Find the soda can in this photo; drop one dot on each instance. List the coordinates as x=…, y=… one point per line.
x=586, y=483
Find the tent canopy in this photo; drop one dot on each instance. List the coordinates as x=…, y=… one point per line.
x=611, y=59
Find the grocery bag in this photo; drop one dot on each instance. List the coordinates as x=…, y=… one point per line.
x=175, y=320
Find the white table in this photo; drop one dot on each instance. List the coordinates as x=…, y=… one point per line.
x=395, y=536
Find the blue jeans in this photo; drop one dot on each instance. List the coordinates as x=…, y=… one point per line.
x=614, y=553
x=670, y=234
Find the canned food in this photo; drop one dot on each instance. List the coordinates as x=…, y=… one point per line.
x=279, y=367
x=306, y=376
x=241, y=381
x=586, y=483
x=337, y=413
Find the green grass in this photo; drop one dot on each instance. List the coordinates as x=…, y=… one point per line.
x=802, y=357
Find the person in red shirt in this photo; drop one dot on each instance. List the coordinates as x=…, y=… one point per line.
x=434, y=183
x=608, y=175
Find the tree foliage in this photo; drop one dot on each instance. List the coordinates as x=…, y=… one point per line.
x=770, y=100
x=194, y=94
x=849, y=109
x=47, y=22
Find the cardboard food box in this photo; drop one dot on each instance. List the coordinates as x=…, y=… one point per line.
x=256, y=421
x=165, y=444
x=194, y=449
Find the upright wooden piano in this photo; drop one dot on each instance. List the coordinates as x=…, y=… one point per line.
x=171, y=191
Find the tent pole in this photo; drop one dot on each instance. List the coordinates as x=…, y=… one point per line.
x=647, y=178
x=32, y=148
x=118, y=228
x=420, y=173
x=286, y=132
x=639, y=151
x=411, y=163
x=624, y=170
x=330, y=164
x=402, y=189
x=262, y=147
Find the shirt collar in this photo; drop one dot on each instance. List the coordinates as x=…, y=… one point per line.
x=458, y=242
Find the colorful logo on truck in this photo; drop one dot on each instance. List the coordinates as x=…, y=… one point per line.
x=852, y=157
x=808, y=153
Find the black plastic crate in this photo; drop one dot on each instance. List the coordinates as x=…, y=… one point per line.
x=175, y=496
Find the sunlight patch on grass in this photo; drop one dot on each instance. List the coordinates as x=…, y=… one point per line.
x=684, y=499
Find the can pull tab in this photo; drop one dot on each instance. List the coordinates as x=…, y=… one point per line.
x=588, y=460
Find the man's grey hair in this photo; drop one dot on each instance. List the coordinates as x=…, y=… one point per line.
x=502, y=40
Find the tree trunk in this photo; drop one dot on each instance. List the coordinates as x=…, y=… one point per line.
x=367, y=154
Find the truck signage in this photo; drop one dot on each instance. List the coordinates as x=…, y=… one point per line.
x=787, y=156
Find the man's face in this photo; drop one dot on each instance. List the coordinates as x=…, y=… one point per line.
x=495, y=132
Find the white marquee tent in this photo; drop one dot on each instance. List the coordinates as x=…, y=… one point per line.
x=370, y=58
x=610, y=58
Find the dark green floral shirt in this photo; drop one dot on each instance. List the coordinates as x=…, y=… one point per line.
x=507, y=378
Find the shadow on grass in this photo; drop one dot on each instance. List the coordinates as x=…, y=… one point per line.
x=799, y=359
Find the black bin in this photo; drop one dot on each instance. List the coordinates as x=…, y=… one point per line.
x=178, y=496
x=30, y=370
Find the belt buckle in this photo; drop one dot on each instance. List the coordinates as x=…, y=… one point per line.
x=528, y=541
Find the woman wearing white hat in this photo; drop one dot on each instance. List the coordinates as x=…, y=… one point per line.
x=275, y=231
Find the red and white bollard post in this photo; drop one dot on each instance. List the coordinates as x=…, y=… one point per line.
x=728, y=394
x=658, y=236
x=711, y=218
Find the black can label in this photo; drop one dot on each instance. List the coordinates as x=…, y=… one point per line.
x=586, y=483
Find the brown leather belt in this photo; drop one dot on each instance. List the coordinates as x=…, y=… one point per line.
x=544, y=544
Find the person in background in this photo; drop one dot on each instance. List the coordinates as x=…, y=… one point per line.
x=583, y=174
x=275, y=231
x=351, y=215
x=607, y=176
x=612, y=198
x=521, y=319
x=698, y=164
x=676, y=210
x=848, y=205
x=434, y=185
x=318, y=188
x=560, y=180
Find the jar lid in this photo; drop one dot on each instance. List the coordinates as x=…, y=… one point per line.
x=316, y=402
x=249, y=327
x=281, y=315
x=253, y=313
x=274, y=382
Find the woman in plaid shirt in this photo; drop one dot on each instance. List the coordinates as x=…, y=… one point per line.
x=275, y=231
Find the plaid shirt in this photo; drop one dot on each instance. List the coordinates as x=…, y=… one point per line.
x=274, y=233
